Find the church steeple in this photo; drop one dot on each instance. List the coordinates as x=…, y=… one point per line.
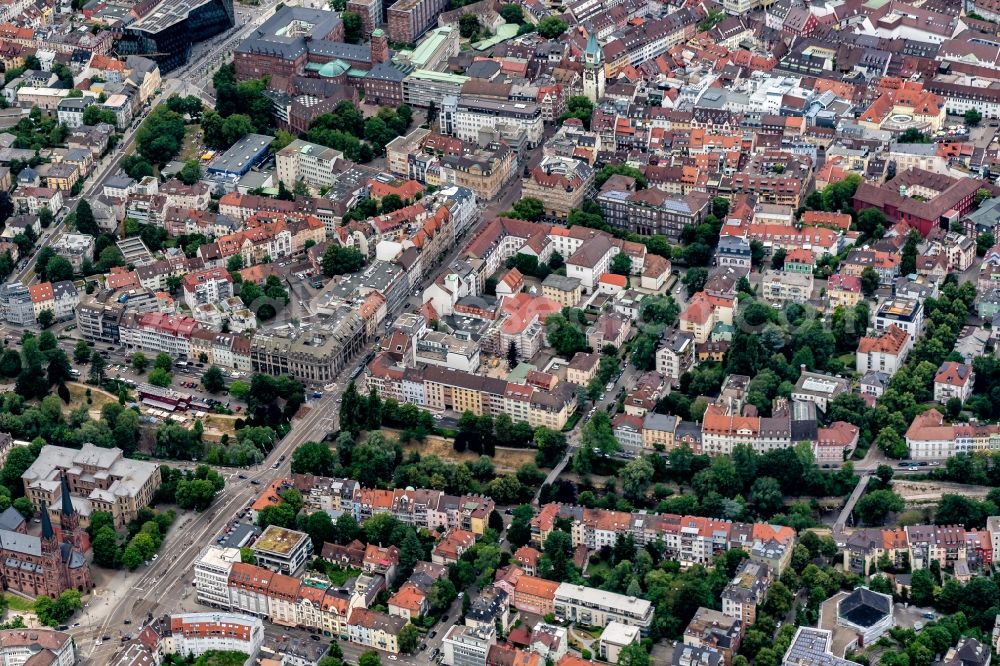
x=67, y=500
x=69, y=519
x=47, y=532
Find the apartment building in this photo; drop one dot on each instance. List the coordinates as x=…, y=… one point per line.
x=458, y=391
x=198, y=633
x=206, y=287
x=675, y=355
x=211, y=575
x=311, y=163
x=44, y=647
x=70, y=110
x=885, y=352
x=953, y=380
x=715, y=631
x=155, y=332
x=687, y=539
x=786, y=287
x=597, y=608
x=562, y=289
x=375, y=629
x=59, y=298
x=843, y=290
x=535, y=595
x=905, y=313
x=30, y=200
x=746, y=591
x=703, y=313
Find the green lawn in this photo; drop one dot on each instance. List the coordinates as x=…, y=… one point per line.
x=338, y=577
x=16, y=603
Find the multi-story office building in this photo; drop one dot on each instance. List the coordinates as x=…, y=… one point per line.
x=423, y=86
x=98, y=322
x=157, y=332
x=464, y=116
x=317, y=355
x=167, y=32
x=282, y=550
x=560, y=183
x=16, y=305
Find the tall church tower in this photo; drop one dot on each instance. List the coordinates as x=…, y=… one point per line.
x=69, y=519
x=593, y=67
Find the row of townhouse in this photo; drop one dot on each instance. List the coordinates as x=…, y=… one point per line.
x=420, y=507
x=223, y=581
x=929, y=437
x=688, y=539
x=21, y=305
x=916, y=546
x=266, y=237
x=438, y=389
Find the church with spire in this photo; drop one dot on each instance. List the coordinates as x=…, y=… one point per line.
x=47, y=564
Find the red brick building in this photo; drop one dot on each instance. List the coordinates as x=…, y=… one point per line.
x=49, y=564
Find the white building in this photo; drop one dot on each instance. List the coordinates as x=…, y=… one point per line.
x=591, y=260
x=314, y=164
x=70, y=110
x=907, y=313
x=783, y=287
x=75, y=248
x=464, y=116
x=953, y=380
x=19, y=646
x=197, y=633
x=211, y=575
x=467, y=646
x=616, y=637
x=597, y=608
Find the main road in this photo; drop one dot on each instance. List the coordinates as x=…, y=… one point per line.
x=206, y=56
x=167, y=578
